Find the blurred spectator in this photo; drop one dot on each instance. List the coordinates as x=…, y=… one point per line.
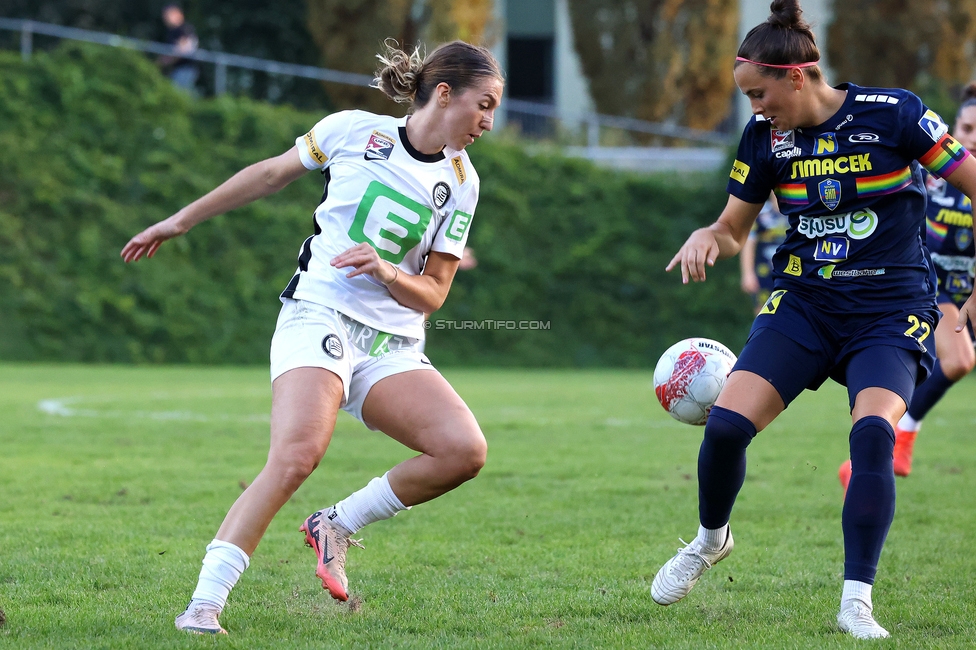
x=468, y=260
x=182, y=72
x=756, y=256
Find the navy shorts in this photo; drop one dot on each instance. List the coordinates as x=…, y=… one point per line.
x=795, y=346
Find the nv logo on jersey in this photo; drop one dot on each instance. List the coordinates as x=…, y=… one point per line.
x=832, y=249
x=826, y=144
x=390, y=222
x=379, y=147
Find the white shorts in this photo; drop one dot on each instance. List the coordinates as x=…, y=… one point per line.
x=312, y=335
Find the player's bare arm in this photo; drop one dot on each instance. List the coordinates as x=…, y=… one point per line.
x=426, y=292
x=246, y=186
x=722, y=239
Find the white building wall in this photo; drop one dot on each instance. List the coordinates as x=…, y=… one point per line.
x=572, y=89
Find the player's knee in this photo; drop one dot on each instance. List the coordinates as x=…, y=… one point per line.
x=959, y=366
x=293, y=465
x=872, y=442
x=726, y=428
x=467, y=455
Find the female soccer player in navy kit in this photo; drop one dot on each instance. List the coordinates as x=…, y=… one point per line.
x=854, y=294
x=949, y=238
x=389, y=235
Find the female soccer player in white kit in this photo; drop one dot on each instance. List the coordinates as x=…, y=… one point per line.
x=388, y=236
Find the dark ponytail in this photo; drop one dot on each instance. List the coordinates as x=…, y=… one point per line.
x=783, y=39
x=968, y=98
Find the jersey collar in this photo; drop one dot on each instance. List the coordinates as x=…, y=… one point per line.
x=416, y=155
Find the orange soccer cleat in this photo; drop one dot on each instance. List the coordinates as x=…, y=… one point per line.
x=904, y=444
x=844, y=474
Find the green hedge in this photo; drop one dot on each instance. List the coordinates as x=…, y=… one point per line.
x=96, y=145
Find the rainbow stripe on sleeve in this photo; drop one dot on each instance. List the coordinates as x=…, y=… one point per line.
x=935, y=232
x=794, y=193
x=944, y=157
x=884, y=184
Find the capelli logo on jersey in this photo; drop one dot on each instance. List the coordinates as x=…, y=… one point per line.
x=379, y=147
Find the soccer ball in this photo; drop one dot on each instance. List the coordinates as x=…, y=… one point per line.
x=689, y=376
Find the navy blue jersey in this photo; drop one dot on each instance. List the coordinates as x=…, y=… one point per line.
x=949, y=238
x=854, y=196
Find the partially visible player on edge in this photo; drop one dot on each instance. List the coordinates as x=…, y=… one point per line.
x=756, y=256
x=389, y=234
x=949, y=238
x=854, y=295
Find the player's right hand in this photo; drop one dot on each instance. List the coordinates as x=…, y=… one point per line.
x=967, y=313
x=700, y=249
x=148, y=241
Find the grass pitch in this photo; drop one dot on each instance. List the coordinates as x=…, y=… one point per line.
x=113, y=479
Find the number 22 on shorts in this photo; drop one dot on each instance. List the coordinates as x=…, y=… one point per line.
x=919, y=330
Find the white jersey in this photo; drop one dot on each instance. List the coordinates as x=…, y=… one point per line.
x=380, y=190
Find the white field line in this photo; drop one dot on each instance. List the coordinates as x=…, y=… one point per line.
x=62, y=407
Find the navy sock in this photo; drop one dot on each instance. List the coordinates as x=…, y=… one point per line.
x=929, y=393
x=870, y=504
x=722, y=465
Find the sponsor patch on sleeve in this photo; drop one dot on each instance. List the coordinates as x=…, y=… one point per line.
x=933, y=125
x=458, y=166
x=740, y=171
x=313, y=149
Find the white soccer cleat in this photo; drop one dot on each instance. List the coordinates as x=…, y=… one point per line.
x=681, y=573
x=857, y=620
x=200, y=618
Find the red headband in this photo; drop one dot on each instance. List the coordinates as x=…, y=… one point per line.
x=774, y=65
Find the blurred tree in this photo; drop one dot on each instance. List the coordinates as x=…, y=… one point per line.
x=659, y=59
x=249, y=27
x=350, y=33
x=927, y=47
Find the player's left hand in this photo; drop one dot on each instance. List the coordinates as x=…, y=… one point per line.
x=365, y=260
x=967, y=313
x=700, y=249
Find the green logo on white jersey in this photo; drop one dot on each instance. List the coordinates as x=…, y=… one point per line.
x=390, y=222
x=458, y=226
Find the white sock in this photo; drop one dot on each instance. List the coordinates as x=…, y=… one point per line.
x=374, y=502
x=855, y=590
x=222, y=566
x=713, y=539
x=908, y=423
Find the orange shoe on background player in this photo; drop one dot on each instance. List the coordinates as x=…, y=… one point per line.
x=844, y=474
x=904, y=444
x=902, y=457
